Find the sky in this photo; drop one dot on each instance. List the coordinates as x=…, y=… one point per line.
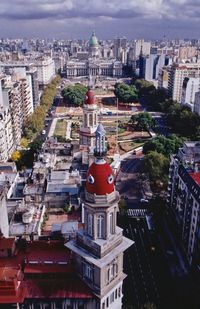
x=148, y=19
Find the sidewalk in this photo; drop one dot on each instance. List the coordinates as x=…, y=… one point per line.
x=52, y=128
x=68, y=130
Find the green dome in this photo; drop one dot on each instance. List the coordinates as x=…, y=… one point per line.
x=93, y=40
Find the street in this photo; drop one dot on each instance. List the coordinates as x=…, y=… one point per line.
x=157, y=272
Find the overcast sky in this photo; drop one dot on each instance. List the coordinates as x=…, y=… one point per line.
x=77, y=18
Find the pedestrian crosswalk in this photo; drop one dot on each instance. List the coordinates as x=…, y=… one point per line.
x=137, y=213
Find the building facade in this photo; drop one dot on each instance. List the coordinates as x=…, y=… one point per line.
x=45, y=70
x=189, y=89
x=177, y=74
x=197, y=103
x=184, y=198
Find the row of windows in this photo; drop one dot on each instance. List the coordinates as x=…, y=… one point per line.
x=112, y=271
x=110, y=299
x=100, y=220
x=90, y=119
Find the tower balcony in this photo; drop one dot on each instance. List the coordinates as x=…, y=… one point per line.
x=99, y=247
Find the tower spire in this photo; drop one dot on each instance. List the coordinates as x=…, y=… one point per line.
x=100, y=142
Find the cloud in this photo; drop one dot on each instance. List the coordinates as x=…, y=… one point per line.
x=112, y=16
x=37, y=9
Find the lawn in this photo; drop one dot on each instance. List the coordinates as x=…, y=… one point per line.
x=61, y=127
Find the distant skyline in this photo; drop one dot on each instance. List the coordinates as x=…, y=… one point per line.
x=148, y=19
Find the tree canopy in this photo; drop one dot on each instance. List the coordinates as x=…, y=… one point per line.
x=74, y=95
x=35, y=121
x=126, y=93
x=179, y=117
x=156, y=166
x=164, y=145
x=143, y=121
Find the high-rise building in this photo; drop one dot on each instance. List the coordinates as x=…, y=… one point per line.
x=99, y=247
x=119, y=47
x=184, y=198
x=45, y=70
x=197, y=103
x=189, y=89
x=187, y=52
x=6, y=130
x=141, y=44
x=177, y=73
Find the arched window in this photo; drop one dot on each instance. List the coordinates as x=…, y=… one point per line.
x=85, y=120
x=89, y=224
x=90, y=120
x=100, y=222
x=95, y=120
x=111, y=223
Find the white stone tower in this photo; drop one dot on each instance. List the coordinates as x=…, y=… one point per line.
x=88, y=128
x=100, y=245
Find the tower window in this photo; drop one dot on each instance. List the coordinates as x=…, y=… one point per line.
x=111, y=223
x=87, y=271
x=100, y=222
x=85, y=120
x=90, y=224
x=90, y=120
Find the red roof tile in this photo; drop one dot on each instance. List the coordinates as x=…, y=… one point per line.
x=196, y=177
x=6, y=243
x=71, y=287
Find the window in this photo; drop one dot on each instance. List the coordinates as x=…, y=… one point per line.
x=112, y=270
x=85, y=120
x=119, y=292
x=90, y=120
x=111, y=223
x=107, y=302
x=103, y=305
x=90, y=224
x=108, y=274
x=115, y=293
x=88, y=271
x=100, y=221
x=112, y=298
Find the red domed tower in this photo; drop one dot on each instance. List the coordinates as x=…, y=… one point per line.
x=89, y=126
x=100, y=245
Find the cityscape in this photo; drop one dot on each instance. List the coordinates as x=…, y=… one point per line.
x=99, y=155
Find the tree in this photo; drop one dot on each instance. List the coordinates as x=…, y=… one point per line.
x=126, y=93
x=16, y=156
x=24, y=142
x=153, y=98
x=164, y=145
x=74, y=95
x=143, y=121
x=156, y=166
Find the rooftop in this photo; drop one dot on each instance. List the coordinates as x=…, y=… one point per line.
x=196, y=177
x=50, y=258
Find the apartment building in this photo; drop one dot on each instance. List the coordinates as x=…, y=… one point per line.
x=45, y=70
x=184, y=198
x=6, y=133
x=177, y=74
x=189, y=89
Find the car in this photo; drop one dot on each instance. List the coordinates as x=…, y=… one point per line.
x=43, y=132
x=143, y=200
